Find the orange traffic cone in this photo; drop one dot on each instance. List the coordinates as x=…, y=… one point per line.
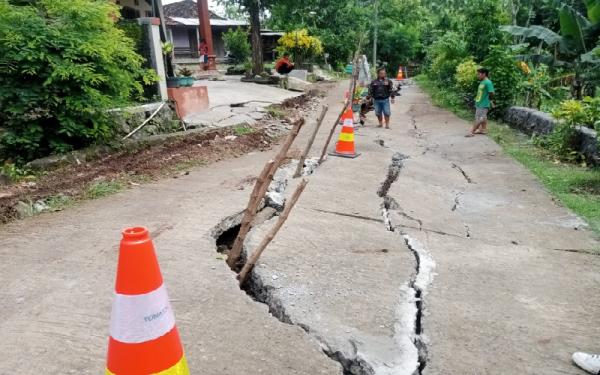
x=400, y=75
x=143, y=336
x=345, y=144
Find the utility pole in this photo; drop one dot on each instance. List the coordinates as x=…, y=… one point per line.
x=376, y=27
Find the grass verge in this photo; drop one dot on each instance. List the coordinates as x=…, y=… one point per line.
x=577, y=187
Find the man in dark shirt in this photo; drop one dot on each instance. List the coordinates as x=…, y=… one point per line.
x=381, y=90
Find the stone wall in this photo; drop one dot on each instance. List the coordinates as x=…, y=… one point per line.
x=531, y=121
x=130, y=118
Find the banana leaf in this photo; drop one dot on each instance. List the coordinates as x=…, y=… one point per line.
x=592, y=57
x=536, y=31
x=593, y=11
x=572, y=28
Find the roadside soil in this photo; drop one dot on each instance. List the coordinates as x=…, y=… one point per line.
x=147, y=162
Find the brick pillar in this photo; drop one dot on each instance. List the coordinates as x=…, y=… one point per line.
x=206, y=32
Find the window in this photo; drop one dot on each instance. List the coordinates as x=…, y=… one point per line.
x=149, y=13
x=136, y=2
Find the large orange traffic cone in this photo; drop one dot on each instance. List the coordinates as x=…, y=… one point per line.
x=345, y=144
x=143, y=336
x=400, y=75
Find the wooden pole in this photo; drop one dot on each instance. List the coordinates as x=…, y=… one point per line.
x=259, y=191
x=310, y=142
x=269, y=237
x=348, y=102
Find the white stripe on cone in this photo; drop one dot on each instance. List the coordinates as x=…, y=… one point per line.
x=143, y=317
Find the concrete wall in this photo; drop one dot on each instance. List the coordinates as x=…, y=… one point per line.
x=531, y=121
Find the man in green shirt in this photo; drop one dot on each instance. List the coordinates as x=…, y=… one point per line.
x=483, y=102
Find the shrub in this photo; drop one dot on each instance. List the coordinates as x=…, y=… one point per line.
x=535, y=84
x=505, y=74
x=466, y=76
x=571, y=113
x=445, y=54
x=300, y=44
x=236, y=42
x=63, y=64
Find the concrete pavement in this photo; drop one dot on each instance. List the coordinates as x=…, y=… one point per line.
x=456, y=268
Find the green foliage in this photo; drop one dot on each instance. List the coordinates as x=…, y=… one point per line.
x=534, y=85
x=242, y=130
x=480, y=29
x=102, y=189
x=185, y=72
x=63, y=64
x=466, y=76
x=236, y=42
x=505, y=75
x=571, y=113
x=14, y=172
x=445, y=54
x=584, y=112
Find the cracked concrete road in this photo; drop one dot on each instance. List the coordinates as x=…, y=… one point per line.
x=469, y=281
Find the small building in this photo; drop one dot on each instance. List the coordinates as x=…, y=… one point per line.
x=132, y=9
x=181, y=20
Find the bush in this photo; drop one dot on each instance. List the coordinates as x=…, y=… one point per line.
x=300, y=45
x=63, y=64
x=505, y=74
x=466, y=76
x=571, y=113
x=236, y=42
x=575, y=112
x=445, y=54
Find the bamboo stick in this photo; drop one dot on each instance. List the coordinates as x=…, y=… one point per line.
x=347, y=102
x=259, y=191
x=269, y=237
x=310, y=142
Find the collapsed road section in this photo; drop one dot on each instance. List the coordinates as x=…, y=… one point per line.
x=357, y=295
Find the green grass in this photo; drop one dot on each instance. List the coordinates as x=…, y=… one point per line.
x=242, y=130
x=276, y=111
x=102, y=189
x=577, y=187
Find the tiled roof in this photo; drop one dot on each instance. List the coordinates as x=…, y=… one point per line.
x=186, y=9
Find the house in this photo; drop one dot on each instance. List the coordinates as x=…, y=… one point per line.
x=132, y=9
x=181, y=20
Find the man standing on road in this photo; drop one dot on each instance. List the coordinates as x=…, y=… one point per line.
x=483, y=101
x=381, y=90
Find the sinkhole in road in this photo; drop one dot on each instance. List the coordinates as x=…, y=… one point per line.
x=226, y=239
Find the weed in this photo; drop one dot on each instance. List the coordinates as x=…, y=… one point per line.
x=102, y=189
x=59, y=202
x=242, y=130
x=276, y=111
x=14, y=173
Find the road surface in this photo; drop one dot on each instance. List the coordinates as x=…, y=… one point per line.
x=458, y=265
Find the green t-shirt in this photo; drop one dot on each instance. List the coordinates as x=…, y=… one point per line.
x=482, y=100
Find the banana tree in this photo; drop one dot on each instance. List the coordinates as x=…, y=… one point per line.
x=572, y=47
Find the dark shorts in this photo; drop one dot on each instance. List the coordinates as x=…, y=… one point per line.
x=382, y=106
